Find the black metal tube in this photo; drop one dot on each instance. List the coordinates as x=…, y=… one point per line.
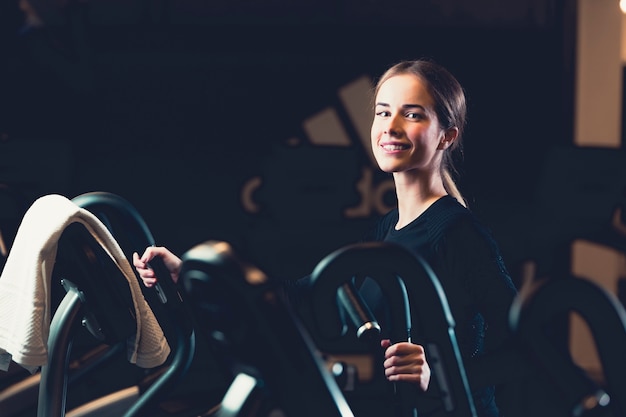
x=53, y=384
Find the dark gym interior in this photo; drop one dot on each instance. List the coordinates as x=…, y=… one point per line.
x=209, y=118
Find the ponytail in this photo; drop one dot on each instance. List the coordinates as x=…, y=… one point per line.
x=451, y=187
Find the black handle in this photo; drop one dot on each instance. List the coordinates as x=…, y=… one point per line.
x=359, y=312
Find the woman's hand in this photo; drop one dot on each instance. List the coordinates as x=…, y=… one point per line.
x=406, y=361
x=171, y=262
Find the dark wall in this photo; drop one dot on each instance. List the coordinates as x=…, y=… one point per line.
x=185, y=111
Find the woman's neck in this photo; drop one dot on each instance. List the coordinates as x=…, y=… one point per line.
x=415, y=196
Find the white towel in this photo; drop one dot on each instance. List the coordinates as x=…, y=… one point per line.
x=25, y=287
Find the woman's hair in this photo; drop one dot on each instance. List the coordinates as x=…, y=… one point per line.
x=450, y=106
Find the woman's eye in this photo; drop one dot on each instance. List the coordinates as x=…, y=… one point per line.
x=382, y=113
x=415, y=116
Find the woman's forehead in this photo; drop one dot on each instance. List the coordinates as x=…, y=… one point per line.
x=404, y=89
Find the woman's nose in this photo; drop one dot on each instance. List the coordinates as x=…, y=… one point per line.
x=391, y=128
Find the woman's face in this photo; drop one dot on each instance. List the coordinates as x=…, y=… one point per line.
x=406, y=135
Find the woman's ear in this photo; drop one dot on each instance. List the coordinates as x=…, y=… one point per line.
x=448, y=138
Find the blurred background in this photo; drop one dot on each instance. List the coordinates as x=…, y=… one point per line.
x=248, y=121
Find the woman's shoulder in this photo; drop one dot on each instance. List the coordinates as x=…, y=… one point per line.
x=447, y=214
x=447, y=209
x=454, y=224
x=457, y=223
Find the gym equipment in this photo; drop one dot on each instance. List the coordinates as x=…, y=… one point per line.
x=418, y=312
x=97, y=299
x=19, y=394
x=532, y=314
x=133, y=235
x=274, y=363
x=165, y=300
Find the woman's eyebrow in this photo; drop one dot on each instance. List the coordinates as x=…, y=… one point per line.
x=404, y=106
x=412, y=106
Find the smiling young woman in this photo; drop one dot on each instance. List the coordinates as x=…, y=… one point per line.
x=419, y=117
